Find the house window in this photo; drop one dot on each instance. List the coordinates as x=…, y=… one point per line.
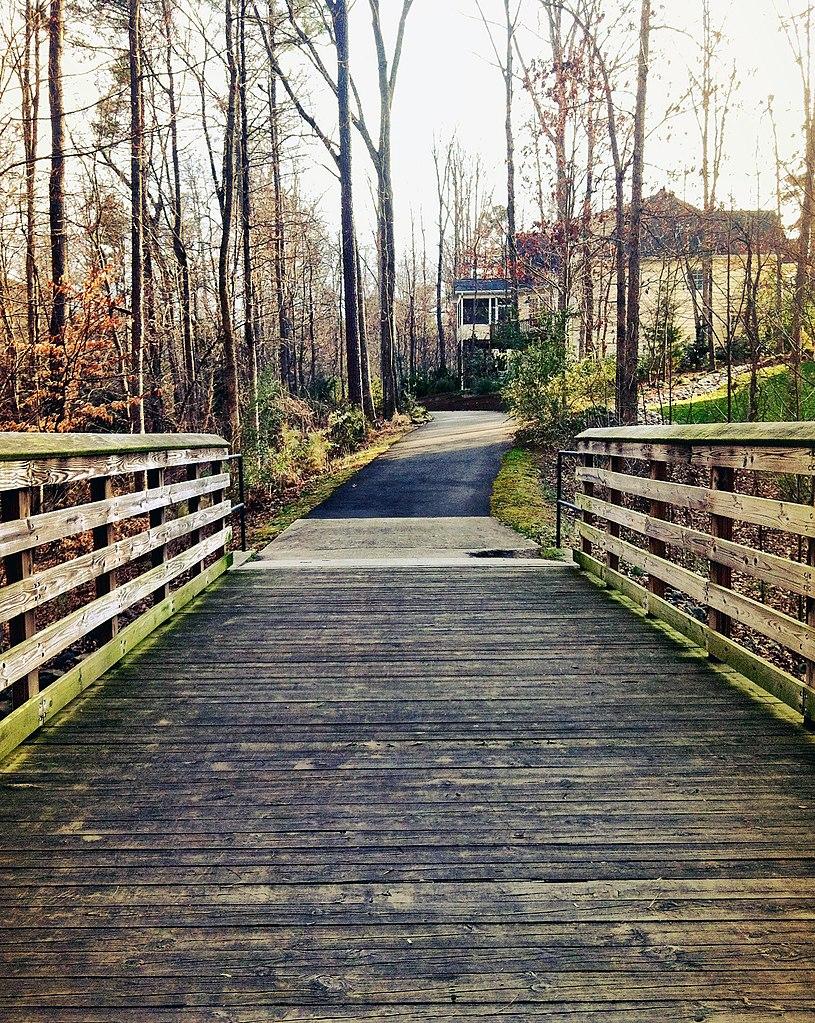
x=475, y=311
x=503, y=311
x=696, y=280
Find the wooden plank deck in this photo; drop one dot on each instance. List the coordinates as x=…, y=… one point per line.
x=484, y=793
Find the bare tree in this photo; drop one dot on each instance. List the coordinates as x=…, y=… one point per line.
x=443, y=170
x=137, y=203
x=56, y=188
x=506, y=63
x=227, y=204
x=799, y=33
x=711, y=103
x=627, y=359
x=339, y=16
x=388, y=70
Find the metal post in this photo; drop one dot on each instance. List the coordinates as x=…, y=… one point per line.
x=559, y=506
x=242, y=499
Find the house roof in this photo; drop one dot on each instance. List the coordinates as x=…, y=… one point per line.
x=671, y=226
x=486, y=286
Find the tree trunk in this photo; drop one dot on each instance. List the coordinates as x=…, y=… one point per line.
x=368, y=406
x=249, y=329
x=562, y=182
x=803, y=268
x=387, y=286
x=30, y=85
x=179, y=244
x=230, y=378
x=284, y=314
x=627, y=406
x=512, y=234
x=136, y=208
x=339, y=13
x=587, y=331
x=441, y=188
x=56, y=185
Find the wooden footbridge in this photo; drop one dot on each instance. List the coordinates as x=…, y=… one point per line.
x=479, y=789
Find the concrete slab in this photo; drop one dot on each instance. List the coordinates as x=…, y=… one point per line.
x=382, y=537
x=426, y=500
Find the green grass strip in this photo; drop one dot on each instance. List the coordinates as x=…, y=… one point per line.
x=522, y=500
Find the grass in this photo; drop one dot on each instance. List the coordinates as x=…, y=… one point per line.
x=320, y=489
x=522, y=499
x=775, y=399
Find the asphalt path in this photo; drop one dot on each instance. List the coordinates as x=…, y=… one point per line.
x=445, y=469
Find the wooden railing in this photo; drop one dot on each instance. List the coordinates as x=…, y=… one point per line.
x=102, y=539
x=721, y=521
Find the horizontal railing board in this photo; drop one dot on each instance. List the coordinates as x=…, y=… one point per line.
x=797, y=461
x=768, y=568
x=47, y=584
x=786, y=516
x=787, y=435
x=23, y=534
x=47, y=643
x=25, y=720
x=774, y=680
x=24, y=446
x=775, y=625
x=44, y=472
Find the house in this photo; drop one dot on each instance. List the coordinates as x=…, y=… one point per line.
x=692, y=262
x=484, y=303
x=697, y=271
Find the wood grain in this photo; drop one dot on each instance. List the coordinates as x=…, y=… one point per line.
x=410, y=794
x=31, y=531
x=782, y=515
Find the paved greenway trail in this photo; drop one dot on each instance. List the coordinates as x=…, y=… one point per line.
x=372, y=778
x=428, y=495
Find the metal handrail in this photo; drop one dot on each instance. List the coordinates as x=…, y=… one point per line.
x=561, y=502
x=240, y=508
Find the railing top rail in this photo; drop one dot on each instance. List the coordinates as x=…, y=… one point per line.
x=27, y=446
x=794, y=435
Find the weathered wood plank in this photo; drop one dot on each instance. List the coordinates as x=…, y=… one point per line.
x=780, y=627
x=769, y=568
x=27, y=719
x=30, y=531
x=53, y=639
x=15, y=446
x=359, y=795
x=792, y=435
x=56, y=471
x=18, y=568
x=780, y=683
x=782, y=515
x=710, y=456
x=54, y=582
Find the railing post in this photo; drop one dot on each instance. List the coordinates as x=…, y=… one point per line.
x=558, y=500
x=614, y=497
x=588, y=490
x=808, y=708
x=17, y=504
x=217, y=497
x=242, y=500
x=657, y=510
x=155, y=480
x=721, y=527
x=193, y=505
x=101, y=489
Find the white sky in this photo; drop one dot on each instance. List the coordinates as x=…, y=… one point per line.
x=449, y=83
